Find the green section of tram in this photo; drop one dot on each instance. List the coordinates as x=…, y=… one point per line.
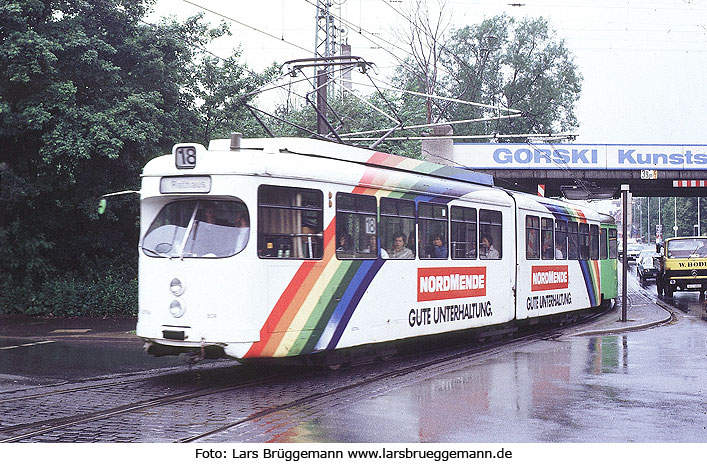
x=608, y=266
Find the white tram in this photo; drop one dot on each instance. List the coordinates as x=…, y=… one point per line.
x=291, y=247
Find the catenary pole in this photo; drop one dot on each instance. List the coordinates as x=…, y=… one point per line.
x=624, y=272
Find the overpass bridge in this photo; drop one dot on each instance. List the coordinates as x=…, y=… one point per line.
x=582, y=171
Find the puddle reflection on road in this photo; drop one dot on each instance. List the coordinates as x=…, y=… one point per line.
x=642, y=386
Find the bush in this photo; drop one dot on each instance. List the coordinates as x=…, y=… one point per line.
x=102, y=295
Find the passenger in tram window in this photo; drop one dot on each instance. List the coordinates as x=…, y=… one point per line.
x=423, y=250
x=547, y=251
x=399, y=250
x=532, y=244
x=344, y=243
x=241, y=220
x=572, y=253
x=558, y=253
x=411, y=242
x=242, y=230
x=373, y=247
x=487, y=249
x=438, y=250
x=210, y=214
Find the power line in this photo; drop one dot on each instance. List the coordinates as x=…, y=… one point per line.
x=361, y=30
x=246, y=25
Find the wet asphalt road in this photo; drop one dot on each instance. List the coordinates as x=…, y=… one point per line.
x=41, y=352
x=639, y=386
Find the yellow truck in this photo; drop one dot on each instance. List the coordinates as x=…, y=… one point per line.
x=682, y=265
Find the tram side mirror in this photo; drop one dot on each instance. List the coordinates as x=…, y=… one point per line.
x=659, y=248
x=103, y=202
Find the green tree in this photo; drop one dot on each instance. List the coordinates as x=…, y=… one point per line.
x=349, y=114
x=89, y=92
x=507, y=63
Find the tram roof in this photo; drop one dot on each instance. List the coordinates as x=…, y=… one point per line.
x=343, y=152
x=533, y=202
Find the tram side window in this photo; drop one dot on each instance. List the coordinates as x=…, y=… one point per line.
x=356, y=227
x=560, y=239
x=432, y=226
x=290, y=223
x=491, y=231
x=572, y=241
x=463, y=233
x=613, y=244
x=594, y=241
x=397, y=228
x=584, y=242
x=603, y=244
x=548, y=238
x=532, y=237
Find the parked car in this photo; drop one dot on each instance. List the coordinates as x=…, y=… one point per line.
x=646, y=267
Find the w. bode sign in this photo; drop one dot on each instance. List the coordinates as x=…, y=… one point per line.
x=443, y=283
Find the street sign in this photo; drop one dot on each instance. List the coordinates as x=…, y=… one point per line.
x=649, y=174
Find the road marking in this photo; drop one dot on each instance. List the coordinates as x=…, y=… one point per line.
x=25, y=345
x=70, y=331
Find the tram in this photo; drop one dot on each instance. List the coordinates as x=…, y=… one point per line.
x=294, y=247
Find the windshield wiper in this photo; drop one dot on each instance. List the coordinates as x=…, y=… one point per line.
x=156, y=253
x=188, y=231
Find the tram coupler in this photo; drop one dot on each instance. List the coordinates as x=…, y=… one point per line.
x=205, y=352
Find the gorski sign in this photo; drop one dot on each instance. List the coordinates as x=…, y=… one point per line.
x=585, y=156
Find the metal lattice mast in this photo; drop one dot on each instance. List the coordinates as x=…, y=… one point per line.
x=325, y=37
x=324, y=46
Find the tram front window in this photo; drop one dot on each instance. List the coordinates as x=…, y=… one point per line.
x=198, y=228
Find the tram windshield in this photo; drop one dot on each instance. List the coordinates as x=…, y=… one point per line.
x=198, y=228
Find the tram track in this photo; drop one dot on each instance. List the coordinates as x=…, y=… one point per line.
x=447, y=363
x=364, y=379
x=45, y=426
x=102, y=382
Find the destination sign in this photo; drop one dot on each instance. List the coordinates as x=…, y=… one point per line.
x=186, y=184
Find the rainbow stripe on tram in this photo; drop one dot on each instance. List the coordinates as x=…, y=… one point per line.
x=590, y=268
x=317, y=305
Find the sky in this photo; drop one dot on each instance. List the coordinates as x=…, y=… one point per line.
x=644, y=62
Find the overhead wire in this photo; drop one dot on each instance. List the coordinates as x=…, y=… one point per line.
x=246, y=25
x=371, y=35
x=264, y=88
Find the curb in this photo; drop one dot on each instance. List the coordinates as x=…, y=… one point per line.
x=636, y=327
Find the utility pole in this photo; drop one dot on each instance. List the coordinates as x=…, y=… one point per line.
x=648, y=226
x=325, y=45
x=326, y=34
x=624, y=268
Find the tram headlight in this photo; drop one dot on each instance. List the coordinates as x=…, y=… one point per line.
x=176, y=308
x=176, y=287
